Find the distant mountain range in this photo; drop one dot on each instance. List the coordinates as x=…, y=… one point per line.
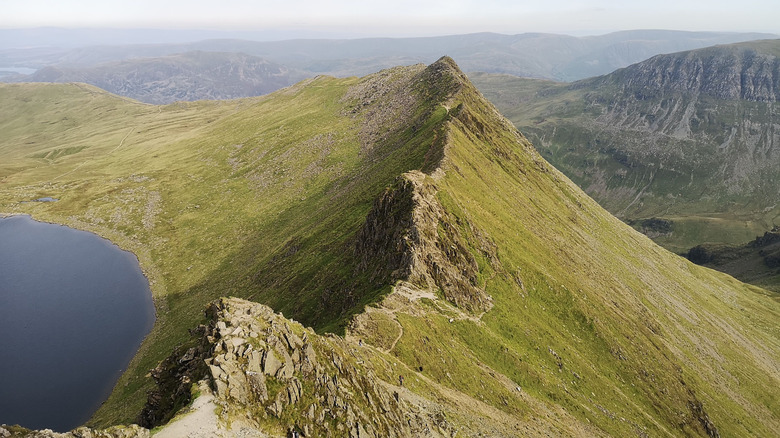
x=182, y=77
x=692, y=137
x=558, y=57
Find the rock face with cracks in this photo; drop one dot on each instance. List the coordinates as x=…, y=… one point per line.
x=275, y=374
x=408, y=233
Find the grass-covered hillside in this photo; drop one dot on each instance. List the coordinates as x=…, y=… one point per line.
x=690, y=138
x=255, y=198
x=493, y=284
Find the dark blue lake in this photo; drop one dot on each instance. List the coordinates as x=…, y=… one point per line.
x=74, y=309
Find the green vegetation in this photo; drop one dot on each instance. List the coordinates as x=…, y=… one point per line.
x=256, y=198
x=593, y=328
x=585, y=278
x=664, y=138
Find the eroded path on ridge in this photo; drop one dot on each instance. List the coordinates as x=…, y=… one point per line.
x=201, y=421
x=406, y=298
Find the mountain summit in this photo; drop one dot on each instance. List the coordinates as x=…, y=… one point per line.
x=475, y=289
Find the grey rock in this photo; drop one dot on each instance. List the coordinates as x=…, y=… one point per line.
x=257, y=385
x=270, y=363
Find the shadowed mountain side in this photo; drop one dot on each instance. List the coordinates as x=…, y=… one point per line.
x=756, y=262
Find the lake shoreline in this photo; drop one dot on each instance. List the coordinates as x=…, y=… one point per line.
x=118, y=312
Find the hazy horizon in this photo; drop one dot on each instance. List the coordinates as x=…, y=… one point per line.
x=70, y=38
x=403, y=18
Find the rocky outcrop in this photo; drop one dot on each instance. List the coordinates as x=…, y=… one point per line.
x=769, y=238
x=700, y=415
x=280, y=377
x=132, y=431
x=653, y=227
x=409, y=236
x=175, y=377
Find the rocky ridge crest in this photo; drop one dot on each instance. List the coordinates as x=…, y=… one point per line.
x=409, y=233
x=273, y=376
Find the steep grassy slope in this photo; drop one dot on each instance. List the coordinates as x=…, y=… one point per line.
x=689, y=137
x=570, y=279
x=497, y=289
x=253, y=198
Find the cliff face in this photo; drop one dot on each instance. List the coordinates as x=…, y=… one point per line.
x=735, y=73
x=702, y=122
x=691, y=137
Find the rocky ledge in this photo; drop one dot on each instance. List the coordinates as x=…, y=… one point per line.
x=274, y=377
x=277, y=375
x=132, y=431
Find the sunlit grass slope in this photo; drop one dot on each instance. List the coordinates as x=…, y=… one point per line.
x=590, y=314
x=255, y=198
x=594, y=330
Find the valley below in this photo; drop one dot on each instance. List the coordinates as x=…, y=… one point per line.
x=686, y=140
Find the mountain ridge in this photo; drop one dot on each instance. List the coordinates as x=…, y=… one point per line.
x=591, y=328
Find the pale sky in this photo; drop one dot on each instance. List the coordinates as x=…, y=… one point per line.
x=400, y=17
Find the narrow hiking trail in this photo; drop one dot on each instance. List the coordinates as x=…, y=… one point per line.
x=121, y=143
x=406, y=298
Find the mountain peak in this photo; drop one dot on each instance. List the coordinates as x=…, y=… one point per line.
x=446, y=63
x=484, y=292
